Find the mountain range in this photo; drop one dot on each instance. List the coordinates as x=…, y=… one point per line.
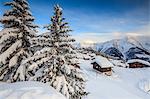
x=126, y=48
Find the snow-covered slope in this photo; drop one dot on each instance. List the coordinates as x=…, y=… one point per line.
x=141, y=41
x=125, y=47
x=125, y=83
x=28, y=90
x=125, y=43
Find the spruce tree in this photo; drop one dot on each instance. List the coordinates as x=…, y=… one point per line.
x=69, y=79
x=41, y=41
x=57, y=64
x=18, y=29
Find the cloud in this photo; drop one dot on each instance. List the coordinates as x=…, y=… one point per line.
x=145, y=30
x=104, y=27
x=93, y=37
x=103, y=37
x=107, y=22
x=97, y=27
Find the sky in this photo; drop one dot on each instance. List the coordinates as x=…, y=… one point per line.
x=95, y=20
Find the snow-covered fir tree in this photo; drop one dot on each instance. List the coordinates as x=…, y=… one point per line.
x=18, y=29
x=56, y=64
x=41, y=41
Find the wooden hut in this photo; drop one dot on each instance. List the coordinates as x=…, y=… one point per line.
x=138, y=63
x=102, y=65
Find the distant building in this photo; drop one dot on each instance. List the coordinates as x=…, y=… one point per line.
x=103, y=65
x=138, y=63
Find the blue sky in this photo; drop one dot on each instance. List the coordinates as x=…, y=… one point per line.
x=95, y=20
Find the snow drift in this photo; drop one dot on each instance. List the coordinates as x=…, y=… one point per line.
x=145, y=85
x=28, y=90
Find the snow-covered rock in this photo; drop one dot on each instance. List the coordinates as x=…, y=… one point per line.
x=145, y=85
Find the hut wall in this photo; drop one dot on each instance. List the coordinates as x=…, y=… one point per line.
x=136, y=65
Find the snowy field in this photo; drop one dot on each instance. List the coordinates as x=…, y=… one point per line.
x=28, y=90
x=125, y=83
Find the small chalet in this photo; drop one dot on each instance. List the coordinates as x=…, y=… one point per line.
x=103, y=65
x=138, y=63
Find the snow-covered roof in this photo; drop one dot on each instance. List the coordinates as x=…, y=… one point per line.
x=138, y=60
x=103, y=62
